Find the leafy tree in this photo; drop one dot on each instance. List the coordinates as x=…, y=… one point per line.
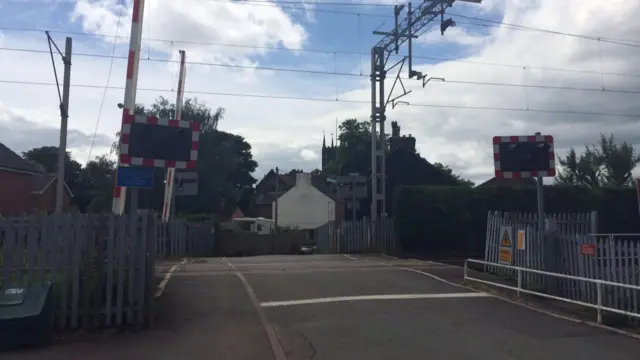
x=447, y=170
x=606, y=164
x=354, y=151
x=97, y=180
x=47, y=157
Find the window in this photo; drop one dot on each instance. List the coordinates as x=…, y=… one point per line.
x=258, y=227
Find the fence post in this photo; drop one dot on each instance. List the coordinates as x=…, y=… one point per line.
x=466, y=272
x=593, y=225
x=519, y=281
x=599, y=294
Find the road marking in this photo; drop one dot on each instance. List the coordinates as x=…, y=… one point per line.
x=350, y=257
x=530, y=307
x=167, y=276
x=373, y=297
x=306, y=264
x=276, y=347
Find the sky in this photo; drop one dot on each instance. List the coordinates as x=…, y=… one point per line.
x=498, y=80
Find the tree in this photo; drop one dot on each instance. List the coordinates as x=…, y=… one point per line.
x=97, y=179
x=47, y=157
x=605, y=164
x=354, y=150
x=447, y=170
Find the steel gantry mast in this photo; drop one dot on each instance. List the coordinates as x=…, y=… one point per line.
x=404, y=31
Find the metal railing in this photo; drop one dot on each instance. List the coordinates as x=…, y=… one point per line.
x=519, y=270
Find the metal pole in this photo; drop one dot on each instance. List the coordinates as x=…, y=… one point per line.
x=119, y=193
x=275, y=215
x=374, y=138
x=353, y=199
x=173, y=196
x=540, y=194
x=168, y=208
x=64, y=119
x=382, y=149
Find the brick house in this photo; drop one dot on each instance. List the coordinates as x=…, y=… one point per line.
x=25, y=188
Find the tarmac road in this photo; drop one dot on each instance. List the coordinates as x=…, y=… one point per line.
x=336, y=307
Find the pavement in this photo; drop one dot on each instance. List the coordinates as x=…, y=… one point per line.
x=339, y=307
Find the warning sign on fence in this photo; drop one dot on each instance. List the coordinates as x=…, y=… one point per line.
x=505, y=254
x=521, y=240
x=506, y=239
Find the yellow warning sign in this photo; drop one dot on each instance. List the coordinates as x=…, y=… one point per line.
x=505, y=240
x=505, y=256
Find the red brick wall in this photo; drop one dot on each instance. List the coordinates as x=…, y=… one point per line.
x=16, y=197
x=47, y=200
x=15, y=193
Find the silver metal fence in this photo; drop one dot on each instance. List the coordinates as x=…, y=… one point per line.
x=351, y=237
x=599, y=286
x=565, y=228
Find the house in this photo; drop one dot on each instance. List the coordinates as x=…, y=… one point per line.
x=25, y=188
x=308, y=204
x=266, y=192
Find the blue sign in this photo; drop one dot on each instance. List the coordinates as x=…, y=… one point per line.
x=135, y=177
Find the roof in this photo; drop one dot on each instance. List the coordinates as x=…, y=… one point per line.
x=11, y=161
x=320, y=182
x=40, y=183
x=317, y=181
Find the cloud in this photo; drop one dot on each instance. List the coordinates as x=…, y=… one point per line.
x=456, y=131
x=308, y=154
x=20, y=134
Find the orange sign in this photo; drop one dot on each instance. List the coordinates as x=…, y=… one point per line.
x=588, y=249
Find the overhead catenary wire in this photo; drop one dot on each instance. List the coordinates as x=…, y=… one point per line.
x=301, y=98
x=104, y=93
x=303, y=6
x=360, y=75
x=325, y=51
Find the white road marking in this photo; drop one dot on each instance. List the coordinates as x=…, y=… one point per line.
x=305, y=264
x=536, y=309
x=428, y=274
x=373, y=297
x=350, y=257
x=276, y=347
x=167, y=276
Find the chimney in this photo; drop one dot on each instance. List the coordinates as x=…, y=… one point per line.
x=303, y=179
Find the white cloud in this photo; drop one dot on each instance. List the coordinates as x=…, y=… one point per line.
x=308, y=154
x=286, y=133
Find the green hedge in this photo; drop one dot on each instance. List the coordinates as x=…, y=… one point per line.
x=448, y=221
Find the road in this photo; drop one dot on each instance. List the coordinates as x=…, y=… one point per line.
x=333, y=307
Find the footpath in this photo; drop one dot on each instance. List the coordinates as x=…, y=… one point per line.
x=199, y=316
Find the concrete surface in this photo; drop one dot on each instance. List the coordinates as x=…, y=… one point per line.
x=206, y=313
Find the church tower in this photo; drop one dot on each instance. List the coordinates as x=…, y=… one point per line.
x=329, y=153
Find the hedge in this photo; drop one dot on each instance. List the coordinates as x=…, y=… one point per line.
x=452, y=221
